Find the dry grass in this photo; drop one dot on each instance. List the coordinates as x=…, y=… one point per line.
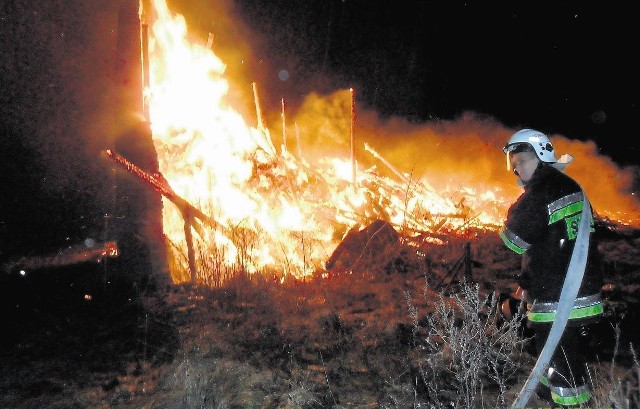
x=390, y=337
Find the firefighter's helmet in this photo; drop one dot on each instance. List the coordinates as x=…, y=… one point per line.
x=542, y=146
x=540, y=143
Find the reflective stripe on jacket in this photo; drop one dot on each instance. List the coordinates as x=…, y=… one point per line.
x=568, y=396
x=542, y=226
x=583, y=307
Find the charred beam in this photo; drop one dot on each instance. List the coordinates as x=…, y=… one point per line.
x=190, y=213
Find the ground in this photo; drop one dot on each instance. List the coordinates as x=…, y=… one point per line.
x=346, y=340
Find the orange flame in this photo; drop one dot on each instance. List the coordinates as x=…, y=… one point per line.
x=277, y=211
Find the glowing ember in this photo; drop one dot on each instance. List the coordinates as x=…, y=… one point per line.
x=278, y=214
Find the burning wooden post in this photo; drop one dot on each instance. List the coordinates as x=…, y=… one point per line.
x=266, y=143
x=353, y=142
x=284, y=128
x=144, y=55
x=259, y=120
x=190, y=214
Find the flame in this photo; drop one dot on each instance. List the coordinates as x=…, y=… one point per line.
x=276, y=211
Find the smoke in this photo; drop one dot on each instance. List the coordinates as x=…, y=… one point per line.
x=451, y=155
x=611, y=188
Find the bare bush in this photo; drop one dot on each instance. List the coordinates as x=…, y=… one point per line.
x=617, y=387
x=469, y=356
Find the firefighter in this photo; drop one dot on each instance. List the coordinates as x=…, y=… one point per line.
x=541, y=226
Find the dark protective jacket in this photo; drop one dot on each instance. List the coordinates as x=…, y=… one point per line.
x=542, y=225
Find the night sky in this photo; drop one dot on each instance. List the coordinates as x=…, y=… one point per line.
x=563, y=67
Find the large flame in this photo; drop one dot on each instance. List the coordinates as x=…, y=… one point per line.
x=274, y=211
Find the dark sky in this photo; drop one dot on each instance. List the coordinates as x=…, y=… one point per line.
x=563, y=67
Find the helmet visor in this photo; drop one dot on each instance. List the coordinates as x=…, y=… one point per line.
x=514, y=148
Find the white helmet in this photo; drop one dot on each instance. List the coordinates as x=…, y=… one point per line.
x=540, y=143
x=542, y=146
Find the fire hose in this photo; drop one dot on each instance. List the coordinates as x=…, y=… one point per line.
x=570, y=288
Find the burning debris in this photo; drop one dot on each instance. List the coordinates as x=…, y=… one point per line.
x=257, y=208
x=376, y=203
